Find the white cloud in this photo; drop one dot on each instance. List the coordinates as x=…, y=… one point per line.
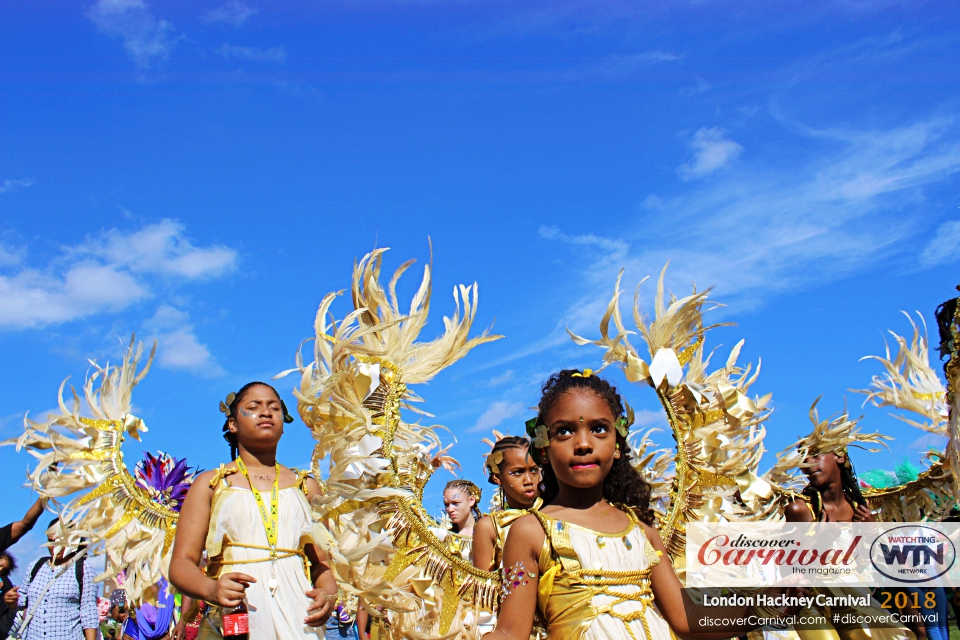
x=105, y=274
x=617, y=247
x=648, y=418
x=33, y=298
x=502, y=378
x=273, y=54
x=943, y=249
x=930, y=441
x=498, y=413
x=14, y=185
x=177, y=344
x=145, y=37
x=702, y=86
x=233, y=13
x=711, y=151
x=766, y=231
x=161, y=248
x=10, y=256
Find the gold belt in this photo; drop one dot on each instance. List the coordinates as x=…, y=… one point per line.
x=275, y=554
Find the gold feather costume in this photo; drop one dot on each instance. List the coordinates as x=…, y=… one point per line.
x=717, y=426
x=379, y=540
x=80, y=469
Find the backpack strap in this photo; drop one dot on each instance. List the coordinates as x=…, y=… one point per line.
x=78, y=569
x=37, y=566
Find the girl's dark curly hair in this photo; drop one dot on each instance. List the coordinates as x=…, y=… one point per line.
x=11, y=563
x=504, y=443
x=623, y=485
x=230, y=436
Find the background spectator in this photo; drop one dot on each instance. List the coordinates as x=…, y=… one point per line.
x=70, y=602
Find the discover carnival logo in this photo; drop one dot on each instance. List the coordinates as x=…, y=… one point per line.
x=912, y=554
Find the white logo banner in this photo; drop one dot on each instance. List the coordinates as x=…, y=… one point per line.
x=759, y=554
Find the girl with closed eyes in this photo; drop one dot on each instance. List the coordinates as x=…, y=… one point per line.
x=590, y=561
x=253, y=519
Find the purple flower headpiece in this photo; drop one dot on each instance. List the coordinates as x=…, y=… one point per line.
x=166, y=478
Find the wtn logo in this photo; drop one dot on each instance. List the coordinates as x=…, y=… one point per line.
x=922, y=554
x=912, y=554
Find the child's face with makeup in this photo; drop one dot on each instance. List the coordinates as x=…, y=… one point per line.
x=583, y=439
x=519, y=476
x=457, y=502
x=258, y=419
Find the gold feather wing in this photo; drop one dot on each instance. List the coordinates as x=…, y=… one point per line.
x=375, y=528
x=717, y=426
x=80, y=467
x=909, y=383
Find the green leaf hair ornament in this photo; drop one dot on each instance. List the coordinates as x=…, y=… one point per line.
x=623, y=422
x=541, y=440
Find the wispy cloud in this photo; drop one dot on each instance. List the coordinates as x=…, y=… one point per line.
x=107, y=273
x=233, y=13
x=498, y=413
x=146, y=37
x=702, y=86
x=943, y=248
x=9, y=256
x=763, y=231
x=178, y=345
x=711, y=151
x=618, y=247
x=14, y=185
x=930, y=441
x=161, y=248
x=273, y=54
x=501, y=378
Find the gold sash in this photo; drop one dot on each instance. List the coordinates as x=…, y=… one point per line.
x=501, y=525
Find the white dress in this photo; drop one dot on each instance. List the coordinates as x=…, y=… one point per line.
x=604, y=555
x=235, y=518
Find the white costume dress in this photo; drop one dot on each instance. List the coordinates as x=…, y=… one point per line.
x=596, y=586
x=237, y=541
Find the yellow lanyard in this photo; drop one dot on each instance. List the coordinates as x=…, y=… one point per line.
x=269, y=523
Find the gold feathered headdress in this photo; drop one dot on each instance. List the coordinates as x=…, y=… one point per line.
x=80, y=463
x=909, y=383
x=717, y=425
x=836, y=435
x=378, y=534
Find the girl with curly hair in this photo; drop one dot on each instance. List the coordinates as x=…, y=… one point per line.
x=591, y=561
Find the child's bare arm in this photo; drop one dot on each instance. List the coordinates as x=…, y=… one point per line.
x=521, y=553
x=484, y=542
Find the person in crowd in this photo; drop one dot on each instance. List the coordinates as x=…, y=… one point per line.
x=513, y=470
x=11, y=533
x=253, y=518
x=59, y=594
x=8, y=603
x=460, y=500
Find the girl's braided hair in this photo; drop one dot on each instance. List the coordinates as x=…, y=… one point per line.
x=504, y=443
x=472, y=489
x=623, y=485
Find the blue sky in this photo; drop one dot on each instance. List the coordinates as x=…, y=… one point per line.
x=204, y=172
